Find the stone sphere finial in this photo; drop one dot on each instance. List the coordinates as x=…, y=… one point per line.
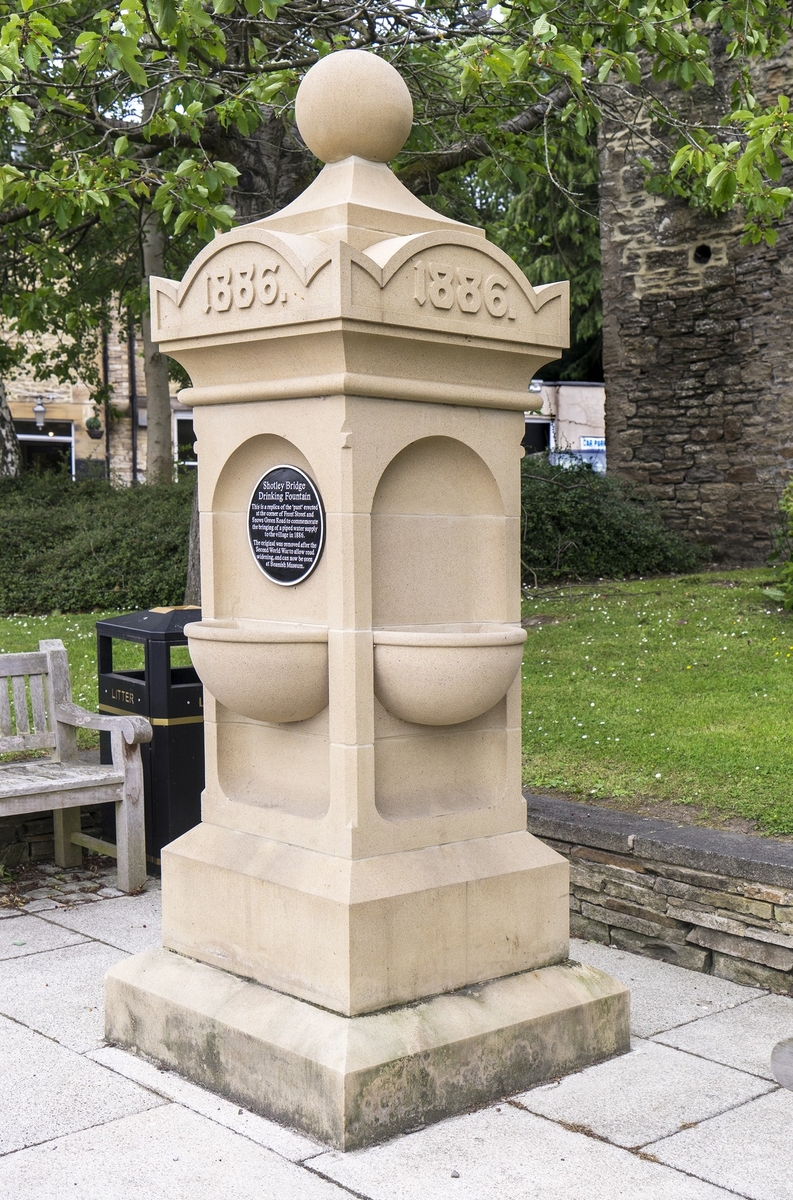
x=352, y=102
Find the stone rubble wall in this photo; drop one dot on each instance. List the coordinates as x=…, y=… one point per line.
x=704, y=899
x=30, y=838
x=697, y=363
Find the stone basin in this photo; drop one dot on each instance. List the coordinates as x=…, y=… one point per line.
x=273, y=671
x=445, y=674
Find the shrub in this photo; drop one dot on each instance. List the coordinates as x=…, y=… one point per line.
x=577, y=524
x=79, y=546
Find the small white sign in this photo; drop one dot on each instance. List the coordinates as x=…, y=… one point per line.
x=593, y=443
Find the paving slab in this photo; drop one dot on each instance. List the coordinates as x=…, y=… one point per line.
x=169, y=1153
x=742, y=1037
x=60, y=992
x=286, y=1142
x=749, y=1150
x=35, y=906
x=49, y=1091
x=505, y=1153
x=29, y=935
x=676, y=1089
x=662, y=996
x=131, y=923
x=7, y=911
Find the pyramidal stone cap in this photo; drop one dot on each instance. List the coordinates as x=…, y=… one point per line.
x=353, y=103
x=422, y=307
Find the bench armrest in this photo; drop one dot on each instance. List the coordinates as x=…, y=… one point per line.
x=134, y=729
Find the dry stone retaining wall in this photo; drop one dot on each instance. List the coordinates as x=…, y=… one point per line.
x=30, y=838
x=711, y=901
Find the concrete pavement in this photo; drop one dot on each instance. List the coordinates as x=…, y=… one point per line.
x=692, y=1113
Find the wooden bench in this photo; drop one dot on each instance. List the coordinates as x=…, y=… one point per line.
x=37, y=713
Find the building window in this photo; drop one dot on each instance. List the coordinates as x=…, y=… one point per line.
x=537, y=438
x=184, y=442
x=48, y=449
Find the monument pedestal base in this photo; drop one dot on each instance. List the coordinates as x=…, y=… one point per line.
x=352, y=1081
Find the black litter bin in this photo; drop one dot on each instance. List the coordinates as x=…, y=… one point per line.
x=172, y=699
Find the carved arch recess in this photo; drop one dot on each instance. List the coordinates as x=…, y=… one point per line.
x=438, y=538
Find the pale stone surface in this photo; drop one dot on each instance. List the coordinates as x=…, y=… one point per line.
x=373, y=932
x=131, y=923
x=363, y=843
x=169, y=1153
x=748, y=1150
x=353, y=1081
x=782, y=1063
x=29, y=935
x=677, y=1089
x=334, y=108
x=662, y=996
x=741, y=1037
x=49, y=1091
x=59, y=992
x=285, y=1142
x=506, y=1154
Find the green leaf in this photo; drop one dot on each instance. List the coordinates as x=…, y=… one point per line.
x=543, y=29
x=682, y=157
x=167, y=16
x=21, y=115
x=568, y=59
x=184, y=219
x=31, y=55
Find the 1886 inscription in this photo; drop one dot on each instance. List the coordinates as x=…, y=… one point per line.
x=286, y=525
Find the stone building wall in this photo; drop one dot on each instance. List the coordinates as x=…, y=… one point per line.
x=69, y=402
x=698, y=358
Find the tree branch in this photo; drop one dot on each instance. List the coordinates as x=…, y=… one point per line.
x=421, y=175
x=10, y=215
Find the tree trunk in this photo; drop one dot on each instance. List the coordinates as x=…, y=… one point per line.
x=10, y=458
x=192, y=592
x=159, y=442
x=274, y=165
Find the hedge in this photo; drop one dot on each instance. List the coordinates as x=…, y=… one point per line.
x=577, y=524
x=80, y=546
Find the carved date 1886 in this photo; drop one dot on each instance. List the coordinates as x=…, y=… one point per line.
x=238, y=287
x=446, y=287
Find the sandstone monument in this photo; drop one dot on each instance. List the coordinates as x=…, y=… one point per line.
x=361, y=936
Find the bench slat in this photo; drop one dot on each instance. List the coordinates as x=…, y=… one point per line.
x=39, y=707
x=45, y=774
x=20, y=704
x=31, y=663
x=28, y=741
x=14, y=806
x=5, y=709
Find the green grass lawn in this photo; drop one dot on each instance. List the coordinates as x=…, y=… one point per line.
x=78, y=634
x=663, y=689
x=653, y=690
x=77, y=631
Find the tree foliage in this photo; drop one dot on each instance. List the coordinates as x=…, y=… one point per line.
x=184, y=107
